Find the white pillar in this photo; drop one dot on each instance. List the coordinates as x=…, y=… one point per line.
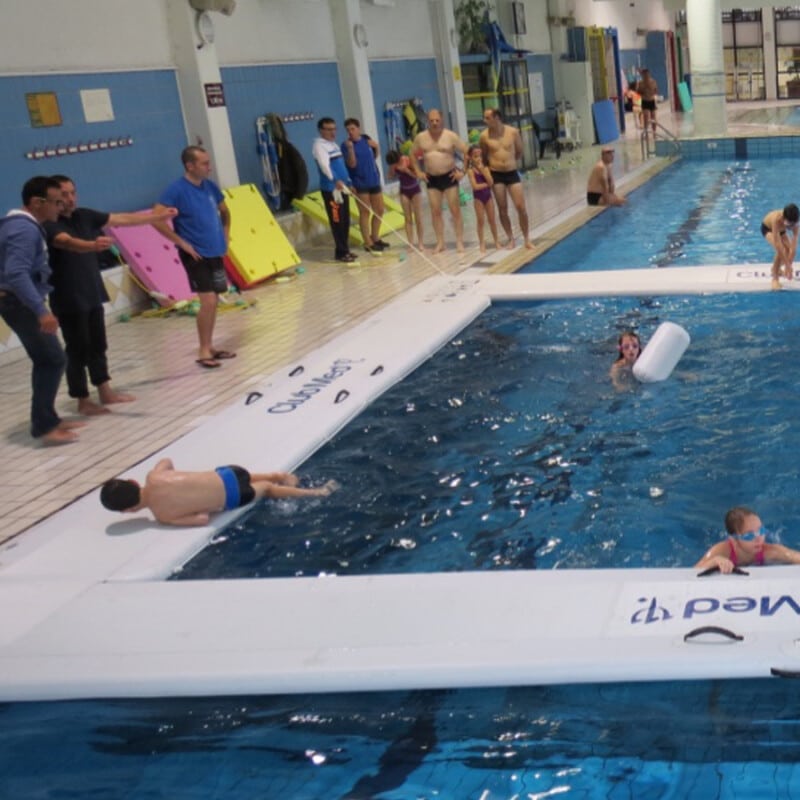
x=352, y=40
x=770, y=59
x=704, y=22
x=197, y=65
x=445, y=45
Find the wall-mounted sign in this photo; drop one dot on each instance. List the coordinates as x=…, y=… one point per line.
x=215, y=96
x=97, y=105
x=43, y=109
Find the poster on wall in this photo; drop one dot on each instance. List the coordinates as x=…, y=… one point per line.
x=97, y=105
x=536, y=88
x=43, y=109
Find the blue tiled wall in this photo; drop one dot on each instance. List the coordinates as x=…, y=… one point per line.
x=253, y=91
x=733, y=149
x=402, y=80
x=146, y=107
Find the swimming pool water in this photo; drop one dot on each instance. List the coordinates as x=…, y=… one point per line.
x=687, y=741
x=595, y=476
x=694, y=213
x=511, y=449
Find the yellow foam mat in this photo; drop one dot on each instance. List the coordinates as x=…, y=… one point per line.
x=258, y=246
x=393, y=219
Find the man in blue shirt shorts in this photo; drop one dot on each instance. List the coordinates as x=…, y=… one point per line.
x=361, y=156
x=201, y=234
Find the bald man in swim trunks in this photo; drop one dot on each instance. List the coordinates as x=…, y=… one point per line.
x=189, y=498
x=502, y=151
x=437, y=147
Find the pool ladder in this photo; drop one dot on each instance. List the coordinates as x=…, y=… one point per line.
x=663, y=133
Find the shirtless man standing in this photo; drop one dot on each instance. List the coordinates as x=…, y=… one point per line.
x=189, y=498
x=648, y=89
x=600, y=189
x=437, y=147
x=502, y=150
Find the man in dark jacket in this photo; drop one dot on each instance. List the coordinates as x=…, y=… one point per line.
x=24, y=286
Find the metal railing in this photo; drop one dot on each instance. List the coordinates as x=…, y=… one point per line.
x=662, y=133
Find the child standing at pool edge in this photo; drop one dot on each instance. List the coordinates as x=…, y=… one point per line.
x=775, y=228
x=746, y=545
x=410, y=195
x=481, y=180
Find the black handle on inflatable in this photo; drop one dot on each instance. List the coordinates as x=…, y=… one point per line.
x=296, y=371
x=252, y=397
x=376, y=371
x=734, y=637
x=777, y=672
x=341, y=396
x=714, y=570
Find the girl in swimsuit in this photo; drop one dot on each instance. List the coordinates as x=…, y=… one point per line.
x=410, y=195
x=746, y=545
x=630, y=348
x=481, y=181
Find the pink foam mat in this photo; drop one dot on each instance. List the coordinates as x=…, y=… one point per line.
x=154, y=261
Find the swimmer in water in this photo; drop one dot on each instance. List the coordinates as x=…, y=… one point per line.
x=630, y=348
x=746, y=545
x=189, y=498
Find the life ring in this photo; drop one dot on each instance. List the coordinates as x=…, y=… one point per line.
x=662, y=353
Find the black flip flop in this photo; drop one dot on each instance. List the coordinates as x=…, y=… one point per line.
x=208, y=363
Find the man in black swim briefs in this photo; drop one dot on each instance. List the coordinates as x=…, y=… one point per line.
x=600, y=190
x=437, y=148
x=189, y=498
x=501, y=145
x=508, y=178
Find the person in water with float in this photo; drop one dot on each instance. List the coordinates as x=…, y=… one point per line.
x=746, y=545
x=629, y=347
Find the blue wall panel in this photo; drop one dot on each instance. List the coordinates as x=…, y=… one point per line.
x=401, y=80
x=146, y=107
x=283, y=89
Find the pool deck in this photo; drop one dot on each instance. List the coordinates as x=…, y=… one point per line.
x=154, y=358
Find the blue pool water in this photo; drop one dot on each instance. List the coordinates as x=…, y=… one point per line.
x=511, y=449
x=521, y=456
x=694, y=213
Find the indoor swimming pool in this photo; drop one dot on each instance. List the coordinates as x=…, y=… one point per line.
x=510, y=449
x=694, y=213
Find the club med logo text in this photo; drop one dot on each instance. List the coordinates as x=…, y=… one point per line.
x=767, y=606
x=314, y=386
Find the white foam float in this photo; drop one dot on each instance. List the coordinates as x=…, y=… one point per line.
x=662, y=353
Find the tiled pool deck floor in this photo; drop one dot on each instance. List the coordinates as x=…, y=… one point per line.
x=154, y=357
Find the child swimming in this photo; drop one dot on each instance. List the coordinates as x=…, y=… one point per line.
x=746, y=545
x=630, y=348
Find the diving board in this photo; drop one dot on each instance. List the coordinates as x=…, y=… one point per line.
x=86, y=612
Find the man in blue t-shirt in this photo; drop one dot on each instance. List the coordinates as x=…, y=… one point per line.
x=361, y=156
x=201, y=234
